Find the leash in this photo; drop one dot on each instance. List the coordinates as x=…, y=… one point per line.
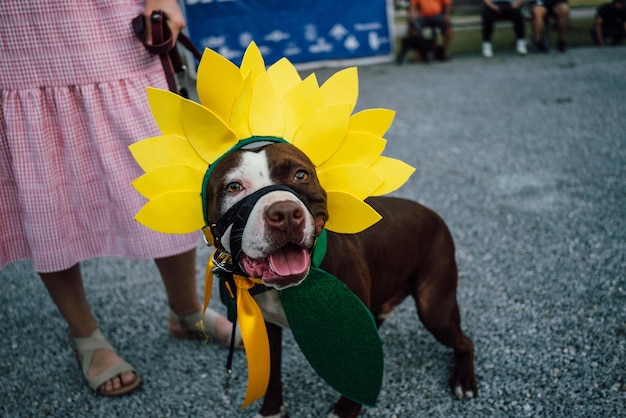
x=164, y=46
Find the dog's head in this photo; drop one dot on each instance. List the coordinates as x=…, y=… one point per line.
x=275, y=241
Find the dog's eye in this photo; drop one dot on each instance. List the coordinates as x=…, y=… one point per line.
x=301, y=175
x=233, y=187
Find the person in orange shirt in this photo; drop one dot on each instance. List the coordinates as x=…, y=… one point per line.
x=433, y=14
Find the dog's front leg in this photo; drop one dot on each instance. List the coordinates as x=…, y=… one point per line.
x=273, y=401
x=345, y=408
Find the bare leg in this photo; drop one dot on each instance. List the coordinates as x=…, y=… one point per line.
x=67, y=292
x=179, y=278
x=539, y=14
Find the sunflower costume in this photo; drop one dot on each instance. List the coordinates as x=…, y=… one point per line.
x=242, y=105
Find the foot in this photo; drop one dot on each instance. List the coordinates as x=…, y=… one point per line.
x=561, y=46
x=487, y=50
x=215, y=326
x=102, y=361
x=441, y=54
x=104, y=370
x=521, y=47
x=540, y=46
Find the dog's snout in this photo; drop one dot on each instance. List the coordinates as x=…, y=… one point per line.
x=285, y=216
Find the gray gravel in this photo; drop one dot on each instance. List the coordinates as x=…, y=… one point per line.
x=525, y=157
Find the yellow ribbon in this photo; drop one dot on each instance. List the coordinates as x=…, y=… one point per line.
x=253, y=334
x=255, y=342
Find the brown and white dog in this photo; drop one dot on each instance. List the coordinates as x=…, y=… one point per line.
x=409, y=252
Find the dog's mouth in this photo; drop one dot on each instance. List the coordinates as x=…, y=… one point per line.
x=285, y=267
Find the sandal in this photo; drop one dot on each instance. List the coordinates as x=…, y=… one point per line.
x=85, y=347
x=190, y=327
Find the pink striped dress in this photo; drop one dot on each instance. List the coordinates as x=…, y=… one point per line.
x=72, y=98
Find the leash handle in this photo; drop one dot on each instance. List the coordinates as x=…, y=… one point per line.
x=164, y=46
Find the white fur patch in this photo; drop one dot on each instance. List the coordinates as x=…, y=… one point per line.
x=272, y=309
x=253, y=173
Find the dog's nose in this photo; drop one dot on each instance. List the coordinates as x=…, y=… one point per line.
x=285, y=216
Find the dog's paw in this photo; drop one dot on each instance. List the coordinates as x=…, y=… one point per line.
x=345, y=408
x=460, y=393
x=464, y=386
x=463, y=380
x=280, y=414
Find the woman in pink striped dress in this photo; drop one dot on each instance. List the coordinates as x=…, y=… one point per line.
x=72, y=98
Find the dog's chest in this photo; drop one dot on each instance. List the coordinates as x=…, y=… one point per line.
x=272, y=309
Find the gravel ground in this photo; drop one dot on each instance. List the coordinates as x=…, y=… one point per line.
x=525, y=157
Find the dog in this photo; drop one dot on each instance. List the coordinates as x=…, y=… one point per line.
x=415, y=41
x=410, y=252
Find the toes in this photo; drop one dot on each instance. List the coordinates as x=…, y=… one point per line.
x=110, y=385
x=128, y=378
x=118, y=382
x=106, y=386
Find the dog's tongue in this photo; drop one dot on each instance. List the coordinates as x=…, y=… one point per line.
x=289, y=261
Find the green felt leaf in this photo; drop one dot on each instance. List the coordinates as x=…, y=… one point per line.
x=337, y=334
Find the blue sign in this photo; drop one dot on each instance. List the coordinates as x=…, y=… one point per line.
x=303, y=31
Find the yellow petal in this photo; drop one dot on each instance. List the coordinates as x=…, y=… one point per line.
x=266, y=117
x=300, y=104
x=354, y=179
x=159, y=151
x=284, y=77
x=168, y=179
x=349, y=215
x=373, y=121
x=341, y=88
x=165, y=107
x=241, y=109
x=252, y=64
x=358, y=148
x=218, y=83
x=173, y=213
x=322, y=135
x=393, y=172
x=208, y=135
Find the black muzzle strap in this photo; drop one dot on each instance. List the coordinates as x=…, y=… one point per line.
x=237, y=216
